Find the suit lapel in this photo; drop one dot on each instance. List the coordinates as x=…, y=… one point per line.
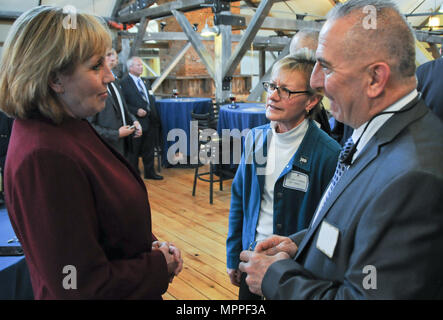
x=384, y=136
x=367, y=156
x=114, y=98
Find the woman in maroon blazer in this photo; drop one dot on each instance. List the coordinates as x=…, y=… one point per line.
x=78, y=208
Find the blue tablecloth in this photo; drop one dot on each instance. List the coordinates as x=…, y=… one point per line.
x=246, y=116
x=176, y=114
x=15, y=282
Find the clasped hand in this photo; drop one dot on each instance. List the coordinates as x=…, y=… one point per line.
x=256, y=263
x=172, y=255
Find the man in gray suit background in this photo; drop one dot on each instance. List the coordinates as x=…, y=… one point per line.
x=378, y=230
x=115, y=124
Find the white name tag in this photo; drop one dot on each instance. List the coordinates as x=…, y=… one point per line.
x=297, y=181
x=327, y=239
x=151, y=92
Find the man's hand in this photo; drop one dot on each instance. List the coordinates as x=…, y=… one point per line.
x=138, y=129
x=141, y=112
x=255, y=265
x=276, y=244
x=124, y=131
x=234, y=275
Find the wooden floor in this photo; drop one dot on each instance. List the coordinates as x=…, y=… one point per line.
x=198, y=228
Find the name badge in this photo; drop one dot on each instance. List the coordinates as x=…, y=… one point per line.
x=327, y=239
x=151, y=92
x=297, y=181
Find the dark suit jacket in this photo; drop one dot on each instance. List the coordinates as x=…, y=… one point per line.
x=430, y=84
x=135, y=101
x=388, y=210
x=109, y=120
x=74, y=201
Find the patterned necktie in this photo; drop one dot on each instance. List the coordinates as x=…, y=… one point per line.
x=140, y=88
x=341, y=167
x=142, y=92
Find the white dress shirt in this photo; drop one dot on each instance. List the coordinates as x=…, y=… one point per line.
x=372, y=129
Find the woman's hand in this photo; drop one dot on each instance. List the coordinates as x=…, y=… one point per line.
x=172, y=255
x=234, y=275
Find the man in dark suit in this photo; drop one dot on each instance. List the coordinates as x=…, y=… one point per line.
x=141, y=103
x=115, y=124
x=378, y=230
x=430, y=84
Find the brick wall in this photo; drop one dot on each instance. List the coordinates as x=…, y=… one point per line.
x=190, y=76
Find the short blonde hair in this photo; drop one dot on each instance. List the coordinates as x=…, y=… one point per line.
x=38, y=46
x=303, y=60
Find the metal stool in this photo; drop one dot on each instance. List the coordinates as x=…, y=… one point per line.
x=209, y=145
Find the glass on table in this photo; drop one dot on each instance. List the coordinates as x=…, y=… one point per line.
x=232, y=98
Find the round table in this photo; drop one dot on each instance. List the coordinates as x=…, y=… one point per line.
x=15, y=281
x=175, y=113
x=245, y=116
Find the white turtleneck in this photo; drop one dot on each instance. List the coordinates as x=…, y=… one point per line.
x=282, y=147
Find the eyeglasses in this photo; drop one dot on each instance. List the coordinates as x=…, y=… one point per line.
x=283, y=93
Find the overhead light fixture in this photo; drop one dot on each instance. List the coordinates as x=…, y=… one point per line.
x=434, y=22
x=209, y=32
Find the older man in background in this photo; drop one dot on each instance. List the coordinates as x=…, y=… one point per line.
x=141, y=102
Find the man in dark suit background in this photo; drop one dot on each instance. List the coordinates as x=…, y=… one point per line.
x=141, y=103
x=114, y=122
x=430, y=84
x=378, y=230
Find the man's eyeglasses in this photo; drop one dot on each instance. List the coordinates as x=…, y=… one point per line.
x=283, y=93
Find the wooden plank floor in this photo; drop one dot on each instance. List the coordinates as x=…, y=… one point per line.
x=198, y=228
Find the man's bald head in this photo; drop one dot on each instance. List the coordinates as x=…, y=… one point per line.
x=305, y=38
x=379, y=31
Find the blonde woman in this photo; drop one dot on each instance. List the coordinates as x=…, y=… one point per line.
x=280, y=196
x=74, y=202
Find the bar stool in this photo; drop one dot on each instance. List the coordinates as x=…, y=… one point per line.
x=210, y=144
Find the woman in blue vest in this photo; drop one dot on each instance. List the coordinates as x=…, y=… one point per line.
x=286, y=165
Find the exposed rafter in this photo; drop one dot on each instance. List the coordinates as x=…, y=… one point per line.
x=247, y=38
x=164, y=10
x=196, y=42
